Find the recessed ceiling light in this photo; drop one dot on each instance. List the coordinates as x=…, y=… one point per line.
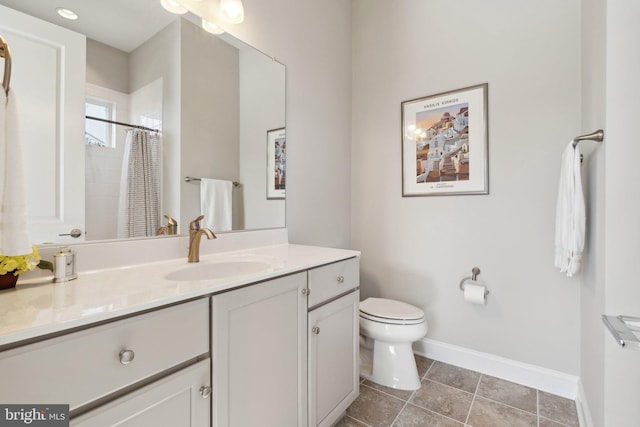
x=67, y=13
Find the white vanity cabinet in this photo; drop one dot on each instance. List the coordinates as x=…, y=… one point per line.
x=258, y=346
x=263, y=351
x=285, y=351
x=102, y=363
x=179, y=400
x=333, y=340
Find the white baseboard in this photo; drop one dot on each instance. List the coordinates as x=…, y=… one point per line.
x=544, y=379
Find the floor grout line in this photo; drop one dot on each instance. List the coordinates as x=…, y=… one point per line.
x=447, y=385
x=557, y=422
x=475, y=395
x=358, y=420
x=385, y=393
x=435, y=412
x=428, y=369
x=506, y=404
x=473, y=399
x=399, y=413
x=411, y=396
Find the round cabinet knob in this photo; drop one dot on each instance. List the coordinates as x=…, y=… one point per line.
x=126, y=356
x=205, y=391
x=340, y=279
x=315, y=330
x=306, y=291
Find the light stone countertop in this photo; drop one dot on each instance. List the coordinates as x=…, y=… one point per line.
x=33, y=310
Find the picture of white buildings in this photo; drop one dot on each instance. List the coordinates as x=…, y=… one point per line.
x=442, y=144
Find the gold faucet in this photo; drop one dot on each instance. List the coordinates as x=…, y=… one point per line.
x=171, y=228
x=195, y=234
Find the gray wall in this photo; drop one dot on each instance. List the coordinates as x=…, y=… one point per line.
x=418, y=249
x=312, y=39
x=107, y=67
x=621, y=204
x=543, y=62
x=611, y=64
x=262, y=103
x=592, y=332
x=210, y=113
x=148, y=63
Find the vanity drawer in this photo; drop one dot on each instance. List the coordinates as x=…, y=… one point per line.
x=83, y=366
x=332, y=280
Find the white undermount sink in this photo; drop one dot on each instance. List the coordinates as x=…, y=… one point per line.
x=220, y=269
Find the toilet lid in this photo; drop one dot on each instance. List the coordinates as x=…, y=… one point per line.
x=390, y=309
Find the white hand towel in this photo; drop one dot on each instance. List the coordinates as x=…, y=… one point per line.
x=216, y=204
x=14, y=238
x=570, y=214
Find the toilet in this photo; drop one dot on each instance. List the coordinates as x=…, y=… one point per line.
x=388, y=329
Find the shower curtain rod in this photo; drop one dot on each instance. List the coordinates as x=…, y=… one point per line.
x=122, y=124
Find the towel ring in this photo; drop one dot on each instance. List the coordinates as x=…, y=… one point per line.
x=597, y=136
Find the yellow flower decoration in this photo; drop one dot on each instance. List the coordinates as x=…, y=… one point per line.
x=20, y=263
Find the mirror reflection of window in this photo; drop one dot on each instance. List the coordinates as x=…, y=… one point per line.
x=97, y=132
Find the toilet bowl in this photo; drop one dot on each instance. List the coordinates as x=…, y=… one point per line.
x=388, y=329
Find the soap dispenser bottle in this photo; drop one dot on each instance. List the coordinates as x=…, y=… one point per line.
x=64, y=265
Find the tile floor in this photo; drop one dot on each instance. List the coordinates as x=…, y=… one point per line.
x=457, y=397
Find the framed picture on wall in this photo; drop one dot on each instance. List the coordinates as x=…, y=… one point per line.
x=276, y=163
x=445, y=143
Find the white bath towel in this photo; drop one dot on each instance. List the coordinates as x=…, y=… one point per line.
x=570, y=214
x=216, y=204
x=14, y=237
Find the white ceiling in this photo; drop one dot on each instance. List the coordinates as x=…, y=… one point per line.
x=123, y=24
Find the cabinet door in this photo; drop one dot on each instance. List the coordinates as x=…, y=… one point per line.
x=333, y=359
x=177, y=401
x=258, y=339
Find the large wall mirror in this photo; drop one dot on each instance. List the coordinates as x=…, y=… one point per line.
x=167, y=100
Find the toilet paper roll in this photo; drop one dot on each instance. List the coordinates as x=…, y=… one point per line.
x=475, y=294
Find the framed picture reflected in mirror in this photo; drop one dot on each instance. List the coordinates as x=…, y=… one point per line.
x=276, y=163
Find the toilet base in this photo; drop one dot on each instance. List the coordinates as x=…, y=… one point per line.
x=389, y=364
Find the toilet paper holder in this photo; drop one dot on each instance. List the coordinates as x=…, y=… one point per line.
x=474, y=276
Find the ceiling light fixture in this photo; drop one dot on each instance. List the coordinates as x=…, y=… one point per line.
x=232, y=11
x=174, y=6
x=211, y=27
x=213, y=11
x=67, y=13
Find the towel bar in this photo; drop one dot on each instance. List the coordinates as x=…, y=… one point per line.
x=622, y=328
x=191, y=179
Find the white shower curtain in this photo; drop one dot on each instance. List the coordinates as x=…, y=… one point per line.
x=139, y=209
